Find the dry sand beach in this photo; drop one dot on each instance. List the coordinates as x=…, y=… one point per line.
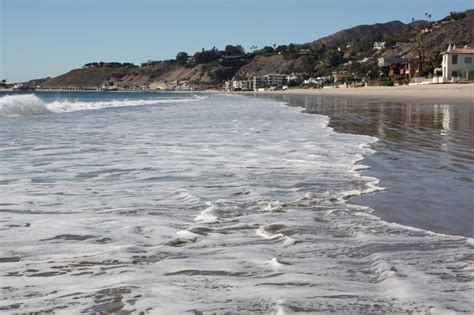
x=421, y=94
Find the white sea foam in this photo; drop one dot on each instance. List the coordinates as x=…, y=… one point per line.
x=30, y=104
x=207, y=215
x=276, y=263
x=220, y=205
x=19, y=105
x=274, y=206
x=272, y=232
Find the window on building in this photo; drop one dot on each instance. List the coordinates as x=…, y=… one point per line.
x=455, y=60
x=467, y=59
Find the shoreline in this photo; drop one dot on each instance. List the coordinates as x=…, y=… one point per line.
x=413, y=94
x=408, y=199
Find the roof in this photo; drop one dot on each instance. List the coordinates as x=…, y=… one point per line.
x=464, y=50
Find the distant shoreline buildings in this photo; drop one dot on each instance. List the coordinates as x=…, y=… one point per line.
x=457, y=65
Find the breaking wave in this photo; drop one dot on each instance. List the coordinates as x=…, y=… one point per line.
x=22, y=105
x=30, y=104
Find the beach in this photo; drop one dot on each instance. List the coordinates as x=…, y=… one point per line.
x=415, y=94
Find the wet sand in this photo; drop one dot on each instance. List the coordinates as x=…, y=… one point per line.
x=415, y=94
x=424, y=159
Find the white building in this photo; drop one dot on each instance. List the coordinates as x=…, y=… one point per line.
x=242, y=85
x=238, y=85
x=458, y=63
x=273, y=80
x=379, y=45
x=257, y=83
x=294, y=77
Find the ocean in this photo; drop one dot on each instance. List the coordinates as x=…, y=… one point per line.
x=170, y=203
x=424, y=158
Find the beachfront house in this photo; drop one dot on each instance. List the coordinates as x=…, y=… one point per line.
x=267, y=81
x=240, y=85
x=256, y=83
x=390, y=66
x=294, y=77
x=458, y=64
x=183, y=85
x=411, y=67
x=273, y=80
x=341, y=76
x=399, y=67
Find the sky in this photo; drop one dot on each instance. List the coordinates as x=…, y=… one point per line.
x=41, y=38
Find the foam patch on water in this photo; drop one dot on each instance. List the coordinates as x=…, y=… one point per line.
x=208, y=215
x=274, y=206
x=276, y=232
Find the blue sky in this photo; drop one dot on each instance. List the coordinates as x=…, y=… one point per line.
x=40, y=38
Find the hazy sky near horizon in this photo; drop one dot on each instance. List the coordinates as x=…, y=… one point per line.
x=40, y=38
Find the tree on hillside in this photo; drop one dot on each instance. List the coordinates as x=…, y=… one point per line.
x=364, y=44
x=334, y=57
x=368, y=70
x=207, y=56
x=231, y=50
x=292, y=48
x=267, y=50
x=432, y=62
x=222, y=74
x=129, y=65
x=182, y=58
x=281, y=48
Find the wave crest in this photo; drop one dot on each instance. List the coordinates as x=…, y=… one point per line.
x=30, y=104
x=22, y=105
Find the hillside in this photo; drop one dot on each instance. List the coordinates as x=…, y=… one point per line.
x=275, y=63
x=317, y=58
x=356, y=33
x=458, y=32
x=165, y=72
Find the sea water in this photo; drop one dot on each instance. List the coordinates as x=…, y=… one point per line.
x=182, y=203
x=424, y=157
